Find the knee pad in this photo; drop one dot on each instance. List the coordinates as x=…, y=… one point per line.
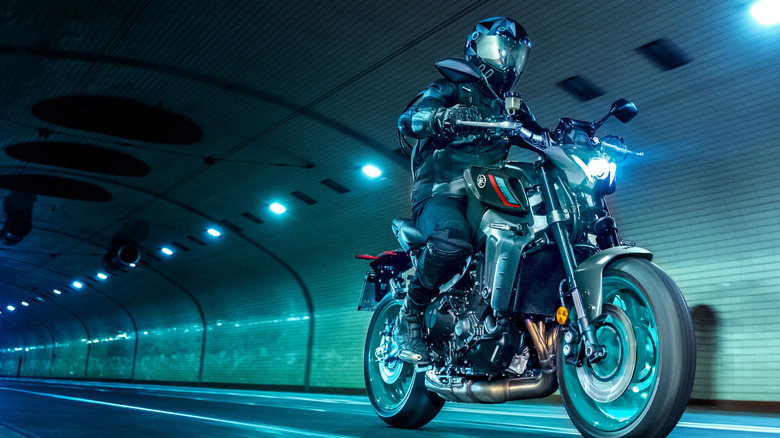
x=448, y=246
x=447, y=252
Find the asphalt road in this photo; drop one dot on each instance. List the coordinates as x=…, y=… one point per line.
x=85, y=409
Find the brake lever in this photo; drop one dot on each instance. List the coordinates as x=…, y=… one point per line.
x=515, y=128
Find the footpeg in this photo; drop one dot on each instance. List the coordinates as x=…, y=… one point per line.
x=411, y=357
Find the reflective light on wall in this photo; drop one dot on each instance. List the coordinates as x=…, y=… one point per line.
x=10, y=308
x=766, y=12
x=102, y=276
x=78, y=284
x=213, y=232
x=277, y=208
x=166, y=251
x=372, y=171
x=57, y=292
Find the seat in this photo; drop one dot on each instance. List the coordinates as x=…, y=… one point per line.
x=408, y=236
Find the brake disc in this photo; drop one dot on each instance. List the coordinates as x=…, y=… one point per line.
x=609, y=378
x=390, y=368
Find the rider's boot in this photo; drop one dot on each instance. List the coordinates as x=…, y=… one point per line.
x=408, y=333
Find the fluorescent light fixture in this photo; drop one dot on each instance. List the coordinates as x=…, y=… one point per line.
x=11, y=308
x=78, y=284
x=166, y=251
x=214, y=232
x=371, y=171
x=57, y=292
x=766, y=12
x=102, y=276
x=25, y=304
x=277, y=208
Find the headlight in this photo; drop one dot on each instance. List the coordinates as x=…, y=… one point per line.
x=597, y=168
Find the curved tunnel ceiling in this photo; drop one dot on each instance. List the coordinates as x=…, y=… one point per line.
x=79, y=156
x=119, y=117
x=236, y=87
x=55, y=186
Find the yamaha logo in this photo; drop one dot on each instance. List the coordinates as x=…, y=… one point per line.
x=481, y=181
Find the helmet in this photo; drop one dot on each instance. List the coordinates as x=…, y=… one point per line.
x=499, y=47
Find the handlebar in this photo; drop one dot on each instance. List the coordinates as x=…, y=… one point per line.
x=516, y=128
x=541, y=141
x=620, y=150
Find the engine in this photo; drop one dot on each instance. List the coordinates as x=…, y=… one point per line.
x=467, y=338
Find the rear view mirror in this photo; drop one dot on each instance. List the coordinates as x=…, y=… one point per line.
x=459, y=71
x=624, y=110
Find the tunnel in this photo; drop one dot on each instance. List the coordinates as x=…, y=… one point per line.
x=185, y=189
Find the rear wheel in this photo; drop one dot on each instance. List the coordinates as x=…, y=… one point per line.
x=642, y=386
x=397, y=392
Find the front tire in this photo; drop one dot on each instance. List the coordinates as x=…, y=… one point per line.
x=396, y=391
x=642, y=386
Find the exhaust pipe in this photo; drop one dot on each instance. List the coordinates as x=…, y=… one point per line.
x=498, y=391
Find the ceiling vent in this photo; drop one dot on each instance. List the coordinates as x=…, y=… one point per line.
x=304, y=197
x=664, y=54
x=333, y=185
x=232, y=226
x=196, y=240
x=180, y=246
x=581, y=88
x=252, y=217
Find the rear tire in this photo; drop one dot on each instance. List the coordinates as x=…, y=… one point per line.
x=647, y=331
x=396, y=391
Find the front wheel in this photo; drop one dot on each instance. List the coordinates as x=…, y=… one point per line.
x=396, y=391
x=642, y=386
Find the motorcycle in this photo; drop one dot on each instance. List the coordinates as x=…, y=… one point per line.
x=551, y=299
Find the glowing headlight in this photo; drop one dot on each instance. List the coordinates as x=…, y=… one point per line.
x=597, y=168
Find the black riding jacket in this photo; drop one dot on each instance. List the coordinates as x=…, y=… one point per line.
x=439, y=160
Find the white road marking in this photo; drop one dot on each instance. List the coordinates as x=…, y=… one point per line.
x=507, y=410
x=260, y=426
x=732, y=427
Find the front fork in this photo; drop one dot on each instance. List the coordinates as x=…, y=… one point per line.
x=594, y=352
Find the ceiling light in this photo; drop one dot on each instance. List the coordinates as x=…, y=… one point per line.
x=25, y=304
x=166, y=251
x=102, y=276
x=277, y=208
x=78, y=284
x=57, y=292
x=11, y=308
x=214, y=232
x=133, y=265
x=371, y=171
x=766, y=12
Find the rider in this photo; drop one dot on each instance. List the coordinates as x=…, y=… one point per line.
x=499, y=48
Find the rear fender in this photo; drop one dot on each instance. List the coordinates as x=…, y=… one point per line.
x=590, y=272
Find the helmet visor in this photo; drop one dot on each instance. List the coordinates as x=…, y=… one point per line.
x=503, y=52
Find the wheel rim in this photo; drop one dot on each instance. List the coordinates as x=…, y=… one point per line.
x=611, y=394
x=389, y=378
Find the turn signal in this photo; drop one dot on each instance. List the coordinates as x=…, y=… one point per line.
x=562, y=315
